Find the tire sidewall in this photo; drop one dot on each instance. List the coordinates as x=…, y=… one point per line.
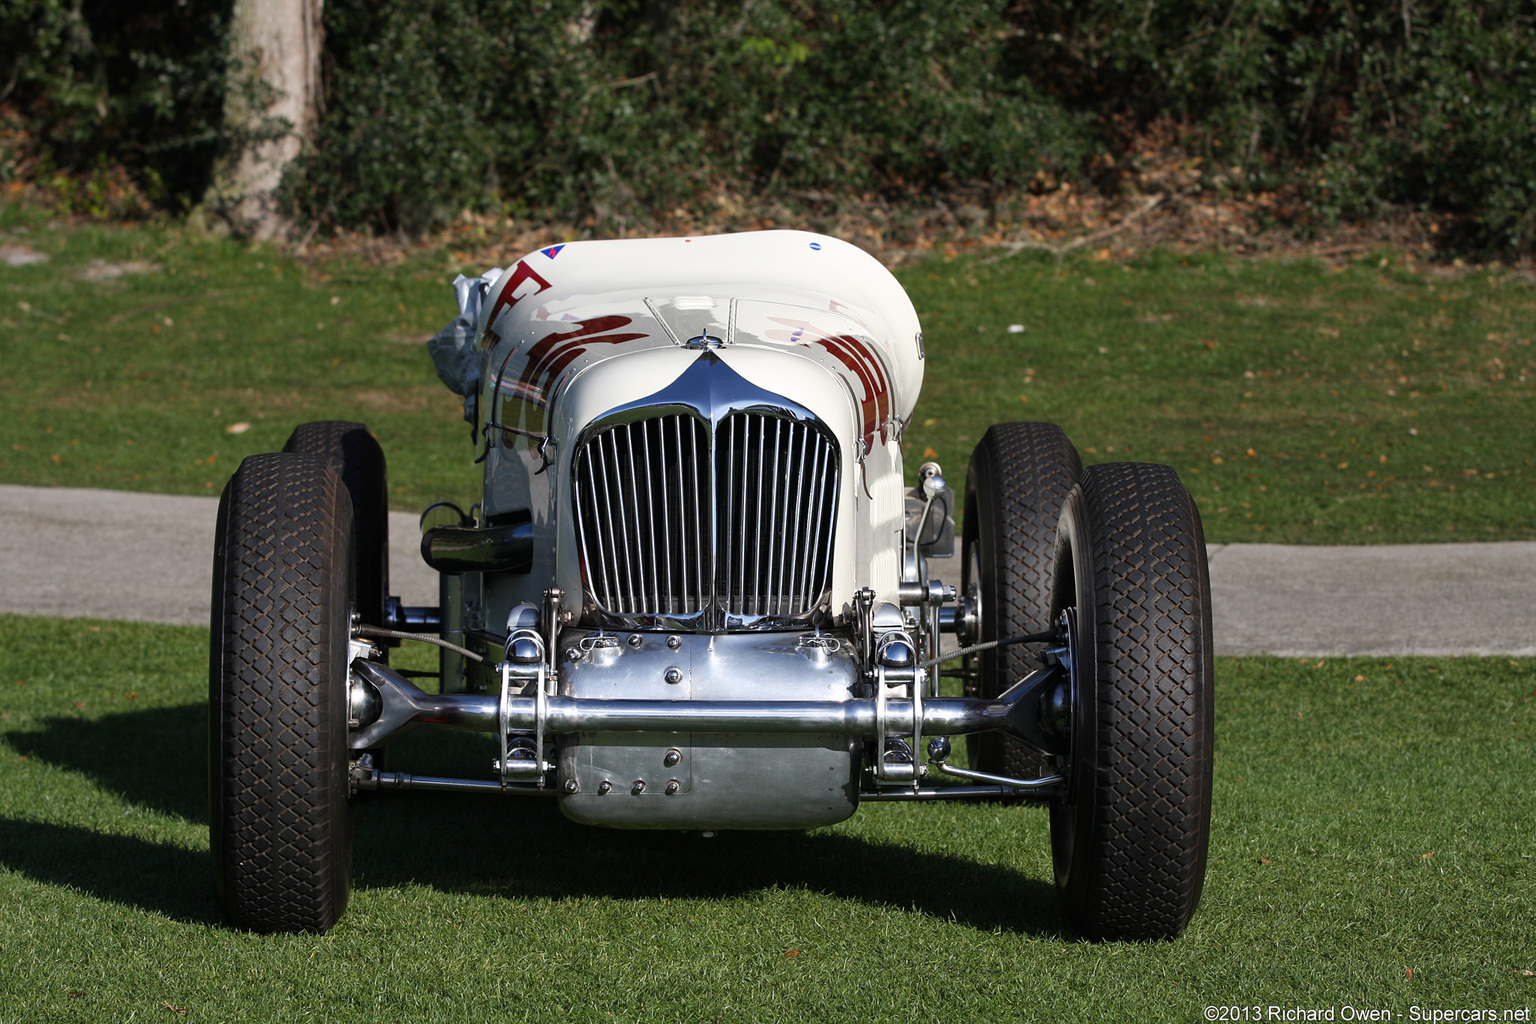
x=1072, y=817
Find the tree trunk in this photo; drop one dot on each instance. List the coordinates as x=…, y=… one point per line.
x=272, y=98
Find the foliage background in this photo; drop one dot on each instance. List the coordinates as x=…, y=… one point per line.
x=613, y=115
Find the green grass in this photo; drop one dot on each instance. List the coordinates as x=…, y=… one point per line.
x=1299, y=404
x=1371, y=818
x=1367, y=404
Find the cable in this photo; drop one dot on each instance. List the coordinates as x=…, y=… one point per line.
x=1027, y=638
x=395, y=634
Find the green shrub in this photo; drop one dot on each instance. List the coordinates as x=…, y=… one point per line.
x=106, y=84
x=621, y=110
x=615, y=112
x=1364, y=105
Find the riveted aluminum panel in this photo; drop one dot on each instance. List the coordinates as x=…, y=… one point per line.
x=722, y=781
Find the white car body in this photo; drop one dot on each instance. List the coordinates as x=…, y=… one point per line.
x=572, y=332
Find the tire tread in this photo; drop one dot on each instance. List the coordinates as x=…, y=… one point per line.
x=282, y=830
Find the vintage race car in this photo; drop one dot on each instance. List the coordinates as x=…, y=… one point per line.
x=699, y=594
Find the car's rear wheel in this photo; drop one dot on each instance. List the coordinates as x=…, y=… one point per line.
x=1020, y=474
x=281, y=821
x=357, y=458
x=1129, y=836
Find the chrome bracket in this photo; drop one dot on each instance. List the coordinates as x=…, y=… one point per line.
x=864, y=606
x=886, y=773
x=524, y=674
x=522, y=769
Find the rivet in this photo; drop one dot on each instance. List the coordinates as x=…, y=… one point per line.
x=638, y=787
x=672, y=757
x=673, y=675
x=672, y=787
x=604, y=787
x=635, y=640
x=674, y=642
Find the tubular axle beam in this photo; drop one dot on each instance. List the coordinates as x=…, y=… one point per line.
x=404, y=706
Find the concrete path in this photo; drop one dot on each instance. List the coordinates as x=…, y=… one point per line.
x=121, y=555
x=111, y=554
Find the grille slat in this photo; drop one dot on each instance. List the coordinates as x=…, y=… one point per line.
x=595, y=558
x=792, y=531
x=670, y=524
x=749, y=596
x=700, y=542
x=819, y=481
x=771, y=588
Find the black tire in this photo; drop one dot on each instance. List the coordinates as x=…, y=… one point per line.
x=1020, y=475
x=1129, y=836
x=356, y=457
x=280, y=819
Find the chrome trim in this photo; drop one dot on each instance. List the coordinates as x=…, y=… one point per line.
x=403, y=706
x=765, y=562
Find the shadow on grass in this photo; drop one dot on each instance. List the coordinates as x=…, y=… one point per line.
x=162, y=879
x=155, y=758
x=522, y=848
x=514, y=848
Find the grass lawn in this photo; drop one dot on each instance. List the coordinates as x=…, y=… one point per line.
x=1372, y=847
x=1371, y=403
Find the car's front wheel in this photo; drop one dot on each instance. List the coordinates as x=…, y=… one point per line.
x=1129, y=836
x=283, y=590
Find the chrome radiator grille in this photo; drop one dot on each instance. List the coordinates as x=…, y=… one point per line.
x=674, y=526
x=642, y=518
x=774, y=491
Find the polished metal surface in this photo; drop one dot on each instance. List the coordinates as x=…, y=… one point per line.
x=930, y=515
x=908, y=794
x=461, y=549
x=775, y=509
x=708, y=506
x=640, y=495
x=897, y=653
x=403, y=706
x=363, y=704
x=673, y=710
x=680, y=527
x=678, y=763
x=525, y=650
